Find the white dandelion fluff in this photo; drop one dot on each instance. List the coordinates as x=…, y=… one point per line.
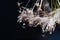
x=47, y=22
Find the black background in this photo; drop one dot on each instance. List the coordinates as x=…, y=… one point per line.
x=7, y=19
x=10, y=30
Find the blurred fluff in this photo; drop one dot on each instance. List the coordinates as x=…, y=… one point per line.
x=47, y=22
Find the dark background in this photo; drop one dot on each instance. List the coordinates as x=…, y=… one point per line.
x=7, y=19
x=11, y=30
